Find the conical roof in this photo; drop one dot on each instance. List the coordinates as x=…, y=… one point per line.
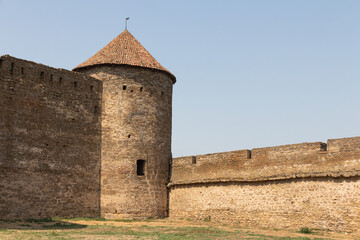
x=124, y=50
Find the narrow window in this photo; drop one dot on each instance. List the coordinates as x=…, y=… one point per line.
x=60, y=80
x=140, y=167
x=141, y=89
x=131, y=90
x=12, y=68
x=129, y=136
x=162, y=93
x=248, y=154
x=22, y=71
x=75, y=84
x=96, y=109
x=193, y=159
x=42, y=75
x=91, y=88
x=51, y=77
x=1, y=61
x=124, y=87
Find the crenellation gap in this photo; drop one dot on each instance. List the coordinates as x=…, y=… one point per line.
x=323, y=147
x=12, y=68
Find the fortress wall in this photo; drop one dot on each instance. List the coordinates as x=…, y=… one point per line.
x=49, y=141
x=310, y=184
x=320, y=203
x=340, y=157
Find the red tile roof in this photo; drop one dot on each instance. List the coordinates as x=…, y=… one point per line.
x=124, y=50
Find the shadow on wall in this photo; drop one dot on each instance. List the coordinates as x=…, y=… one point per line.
x=38, y=224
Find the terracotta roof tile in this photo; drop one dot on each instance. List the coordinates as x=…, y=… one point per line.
x=124, y=50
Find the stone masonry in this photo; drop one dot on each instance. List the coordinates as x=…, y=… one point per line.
x=314, y=185
x=136, y=125
x=136, y=128
x=96, y=141
x=50, y=141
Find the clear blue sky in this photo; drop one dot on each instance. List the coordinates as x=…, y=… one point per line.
x=252, y=73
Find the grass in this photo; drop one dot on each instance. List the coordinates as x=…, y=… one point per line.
x=60, y=225
x=45, y=220
x=305, y=230
x=96, y=228
x=79, y=219
x=207, y=219
x=25, y=225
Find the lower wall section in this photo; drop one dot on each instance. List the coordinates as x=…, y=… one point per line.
x=320, y=203
x=45, y=194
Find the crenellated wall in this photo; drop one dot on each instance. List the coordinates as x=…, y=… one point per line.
x=51, y=146
x=309, y=184
x=50, y=128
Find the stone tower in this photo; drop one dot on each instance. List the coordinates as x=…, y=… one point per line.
x=136, y=128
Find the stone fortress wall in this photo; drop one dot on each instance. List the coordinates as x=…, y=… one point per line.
x=99, y=144
x=314, y=185
x=50, y=133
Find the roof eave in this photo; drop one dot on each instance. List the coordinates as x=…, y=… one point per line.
x=173, y=78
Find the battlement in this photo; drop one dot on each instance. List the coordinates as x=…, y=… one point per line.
x=59, y=80
x=339, y=157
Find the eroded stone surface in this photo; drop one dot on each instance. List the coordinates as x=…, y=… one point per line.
x=323, y=203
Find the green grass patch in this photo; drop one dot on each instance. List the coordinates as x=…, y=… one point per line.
x=207, y=219
x=45, y=220
x=25, y=225
x=135, y=220
x=126, y=220
x=305, y=230
x=88, y=219
x=60, y=225
x=8, y=221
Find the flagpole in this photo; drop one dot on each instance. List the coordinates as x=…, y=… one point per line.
x=126, y=19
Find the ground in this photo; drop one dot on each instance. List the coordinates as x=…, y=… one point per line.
x=87, y=228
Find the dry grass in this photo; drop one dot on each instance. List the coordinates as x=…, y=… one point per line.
x=85, y=228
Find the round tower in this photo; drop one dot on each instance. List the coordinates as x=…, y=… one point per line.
x=136, y=128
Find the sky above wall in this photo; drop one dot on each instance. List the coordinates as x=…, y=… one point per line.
x=250, y=74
